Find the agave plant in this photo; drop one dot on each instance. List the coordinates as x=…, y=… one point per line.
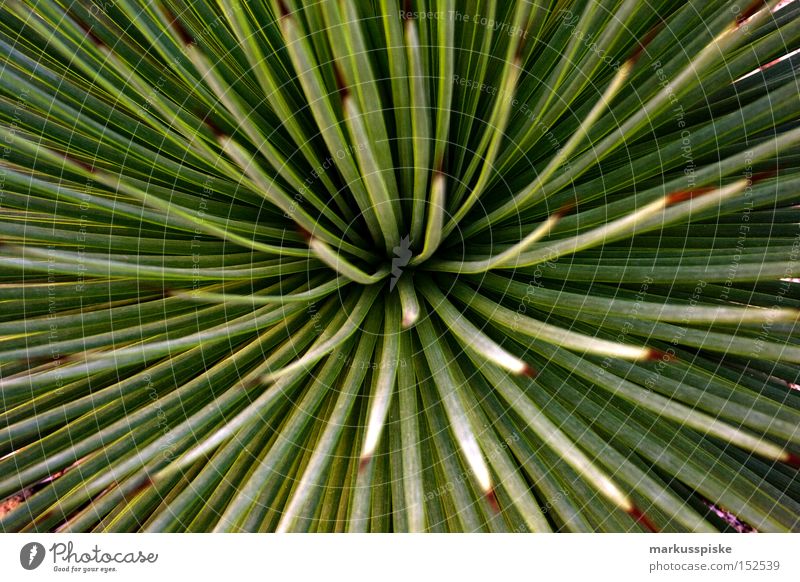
x=364, y=266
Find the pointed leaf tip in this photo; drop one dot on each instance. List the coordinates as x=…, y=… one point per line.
x=283, y=10
x=409, y=319
x=80, y=163
x=212, y=125
x=491, y=497
x=146, y=482
x=642, y=44
x=307, y=236
x=749, y=12
x=761, y=176
x=177, y=26
x=639, y=516
x=793, y=460
x=89, y=32
x=565, y=209
x=656, y=355
x=688, y=194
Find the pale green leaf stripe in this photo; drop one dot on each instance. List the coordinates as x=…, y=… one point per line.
x=420, y=129
x=507, y=474
x=271, y=192
x=445, y=40
x=514, y=321
x=280, y=163
x=470, y=336
x=122, y=427
x=259, y=319
x=528, y=195
x=383, y=384
x=365, y=85
x=452, y=400
x=66, y=262
x=309, y=490
x=398, y=68
x=495, y=131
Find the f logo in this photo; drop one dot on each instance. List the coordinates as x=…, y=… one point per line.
x=31, y=555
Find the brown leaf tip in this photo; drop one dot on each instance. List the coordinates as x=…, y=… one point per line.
x=748, y=12
x=529, y=372
x=438, y=168
x=640, y=517
x=793, y=460
x=250, y=383
x=212, y=125
x=642, y=44
x=341, y=82
x=177, y=26
x=363, y=463
x=660, y=355
x=688, y=194
x=491, y=497
x=283, y=10
x=307, y=236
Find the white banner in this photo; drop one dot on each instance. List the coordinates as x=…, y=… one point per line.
x=419, y=558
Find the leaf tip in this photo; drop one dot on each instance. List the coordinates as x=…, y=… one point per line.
x=341, y=83
x=283, y=10
x=761, y=176
x=749, y=12
x=565, y=209
x=180, y=30
x=219, y=134
x=409, y=319
x=793, y=460
x=641, y=517
x=660, y=355
x=687, y=194
x=90, y=34
x=307, y=236
x=641, y=45
x=491, y=498
x=146, y=481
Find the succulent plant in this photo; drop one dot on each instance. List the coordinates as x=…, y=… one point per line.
x=373, y=266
